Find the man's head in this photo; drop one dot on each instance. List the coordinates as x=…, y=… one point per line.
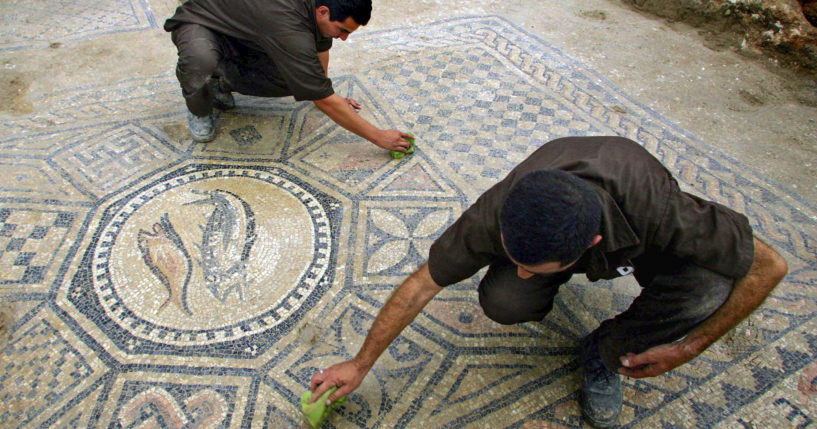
x=550, y=217
x=338, y=18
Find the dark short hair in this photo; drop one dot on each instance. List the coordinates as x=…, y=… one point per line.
x=339, y=10
x=549, y=216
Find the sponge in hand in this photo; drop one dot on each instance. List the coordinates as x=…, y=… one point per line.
x=317, y=411
x=396, y=154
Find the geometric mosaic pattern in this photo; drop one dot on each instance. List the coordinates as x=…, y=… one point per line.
x=27, y=242
x=52, y=366
x=172, y=284
x=111, y=157
x=31, y=23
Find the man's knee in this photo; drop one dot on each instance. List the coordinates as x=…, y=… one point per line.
x=714, y=290
x=504, y=315
x=198, y=60
x=668, y=308
x=199, y=55
x=508, y=310
x=508, y=299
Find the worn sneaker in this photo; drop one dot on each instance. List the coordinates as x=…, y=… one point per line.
x=601, y=388
x=202, y=128
x=222, y=96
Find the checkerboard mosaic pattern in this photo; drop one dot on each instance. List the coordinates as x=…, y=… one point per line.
x=171, y=284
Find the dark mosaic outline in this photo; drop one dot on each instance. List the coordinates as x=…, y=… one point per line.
x=712, y=416
x=703, y=150
x=81, y=370
x=131, y=388
x=86, y=302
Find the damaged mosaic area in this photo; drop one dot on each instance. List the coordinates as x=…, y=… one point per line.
x=158, y=282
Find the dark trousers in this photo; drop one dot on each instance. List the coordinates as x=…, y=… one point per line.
x=205, y=56
x=671, y=304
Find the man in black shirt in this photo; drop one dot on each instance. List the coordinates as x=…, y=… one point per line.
x=267, y=48
x=603, y=207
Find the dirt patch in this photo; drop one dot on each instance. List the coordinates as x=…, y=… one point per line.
x=745, y=338
x=311, y=334
x=594, y=14
x=177, y=132
x=752, y=98
x=779, y=29
x=14, y=93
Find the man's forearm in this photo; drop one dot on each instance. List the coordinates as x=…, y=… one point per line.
x=401, y=308
x=748, y=293
x=337, y=108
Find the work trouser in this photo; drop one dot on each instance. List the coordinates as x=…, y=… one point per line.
x=672, y=302
x=206, y=56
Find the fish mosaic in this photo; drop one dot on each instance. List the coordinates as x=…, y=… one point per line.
x=226, y=241
x=165, y=254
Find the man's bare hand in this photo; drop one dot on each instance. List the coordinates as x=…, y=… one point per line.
x=338, y=108
x=354, y=104
x=393, y=140
x=347, y=376
x=655, y=361
x=747, y=295
x=401, y=308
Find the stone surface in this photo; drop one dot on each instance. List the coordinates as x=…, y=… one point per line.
x=129, y=304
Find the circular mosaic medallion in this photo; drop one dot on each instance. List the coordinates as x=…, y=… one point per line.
x=210, y=255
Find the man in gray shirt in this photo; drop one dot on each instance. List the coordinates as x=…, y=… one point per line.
x=267, y=48
x=603, y=207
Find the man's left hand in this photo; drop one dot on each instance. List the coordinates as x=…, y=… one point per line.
x=354, y=104
x=747, y=294
x=655, y=361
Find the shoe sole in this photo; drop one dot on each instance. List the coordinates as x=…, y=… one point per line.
x=207, y=139
x=597, y=423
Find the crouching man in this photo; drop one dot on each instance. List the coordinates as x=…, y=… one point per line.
x=267, y=48
x=603, y=207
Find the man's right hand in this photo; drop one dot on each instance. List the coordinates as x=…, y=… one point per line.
x=347, y=376
x=393, y=140
x=337, y=108
x=401, y=308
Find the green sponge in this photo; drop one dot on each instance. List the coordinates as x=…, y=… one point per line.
x=317, y=411
x=396, y=154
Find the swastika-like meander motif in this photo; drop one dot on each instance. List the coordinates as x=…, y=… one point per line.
x=164, y=283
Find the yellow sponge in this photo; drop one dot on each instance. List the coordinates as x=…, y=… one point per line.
x=317, y=411
x=396, y=154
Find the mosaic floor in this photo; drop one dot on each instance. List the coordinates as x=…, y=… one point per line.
x=161, y=283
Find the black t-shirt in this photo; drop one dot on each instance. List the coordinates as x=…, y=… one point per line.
x=645, y=217
x=284, y=30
